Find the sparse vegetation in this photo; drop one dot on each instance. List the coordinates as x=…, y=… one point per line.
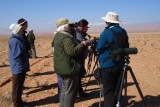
x=41, y=82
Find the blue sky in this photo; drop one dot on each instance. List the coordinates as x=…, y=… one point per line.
x=42, y=14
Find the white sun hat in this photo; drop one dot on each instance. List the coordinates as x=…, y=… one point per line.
x=11, y=26
x=111, y=17
x=15, y=28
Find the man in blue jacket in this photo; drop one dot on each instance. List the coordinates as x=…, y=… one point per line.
x=110, y=70
x=19, y=62
x=81, y=33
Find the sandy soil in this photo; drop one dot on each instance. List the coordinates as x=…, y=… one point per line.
x=41, y=81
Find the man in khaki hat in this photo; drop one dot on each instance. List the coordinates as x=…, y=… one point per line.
x=59, y=23
x=110, y=68
x=62, y=21
x=67, y=62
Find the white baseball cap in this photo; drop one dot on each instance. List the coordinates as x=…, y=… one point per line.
x=15, y=28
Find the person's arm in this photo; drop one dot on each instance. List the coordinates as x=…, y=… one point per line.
x=102, y=43
x=71, y=47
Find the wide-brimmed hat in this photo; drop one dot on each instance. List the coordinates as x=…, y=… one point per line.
x=15, y=28
x=62, y=21
x=111, y=17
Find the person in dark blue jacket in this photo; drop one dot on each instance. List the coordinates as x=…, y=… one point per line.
x=109, y=69
x=81, y=35
x=19, y=62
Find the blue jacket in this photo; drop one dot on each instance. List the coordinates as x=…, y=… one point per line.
x=106, y=37
x=18, y=56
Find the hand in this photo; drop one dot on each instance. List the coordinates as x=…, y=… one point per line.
x=84, y=42
x=92, y=39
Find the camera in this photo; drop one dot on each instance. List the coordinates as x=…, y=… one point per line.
x=94, y=44
x=95, y=40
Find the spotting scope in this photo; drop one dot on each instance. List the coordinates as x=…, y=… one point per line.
x=125, y=51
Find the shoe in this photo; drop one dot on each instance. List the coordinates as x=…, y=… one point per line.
x=25, y=104
x=24, y=95
x=83, y=94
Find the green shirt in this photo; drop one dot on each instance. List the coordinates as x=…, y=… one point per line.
x=31, y=37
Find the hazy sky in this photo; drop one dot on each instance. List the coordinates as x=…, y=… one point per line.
x=42, y=14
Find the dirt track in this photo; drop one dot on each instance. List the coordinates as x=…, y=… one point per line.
x=41, y=82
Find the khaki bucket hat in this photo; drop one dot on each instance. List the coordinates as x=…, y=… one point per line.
x=111, y=17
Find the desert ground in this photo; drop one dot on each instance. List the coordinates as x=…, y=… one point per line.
x=41, y=82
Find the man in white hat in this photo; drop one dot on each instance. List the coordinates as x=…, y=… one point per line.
x=19, y=63
x=110, y=67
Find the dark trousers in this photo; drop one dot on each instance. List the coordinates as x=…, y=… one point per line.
x=59, y=85
x=32, y=51
x=69, y=90
x=110, y=77
x=80, y=89
x=17, y=87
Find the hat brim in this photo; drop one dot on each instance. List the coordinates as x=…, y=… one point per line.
x=110, y=21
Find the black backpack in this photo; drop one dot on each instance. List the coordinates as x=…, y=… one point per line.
x=120, y=41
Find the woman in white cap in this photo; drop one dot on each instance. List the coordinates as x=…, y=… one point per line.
x=19, y=63
x=109, y=68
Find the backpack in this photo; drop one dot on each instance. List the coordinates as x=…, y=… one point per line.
x=120, y=41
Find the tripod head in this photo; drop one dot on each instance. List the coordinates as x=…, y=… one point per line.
x=126, y=60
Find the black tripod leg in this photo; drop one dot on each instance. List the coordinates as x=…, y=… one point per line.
x=89, y=62
x=125, y=83
x=121, y=87
x=125, y=101
x=135, y=81
x=118, y=84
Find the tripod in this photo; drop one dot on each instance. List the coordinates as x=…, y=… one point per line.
x=123, y=81
x=96, y=64
x=96, y=74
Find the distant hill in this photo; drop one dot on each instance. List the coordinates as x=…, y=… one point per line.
x=97, y=28
x=131, y=28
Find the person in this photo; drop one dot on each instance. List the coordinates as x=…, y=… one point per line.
x=31, y=39
x=22, y=22
x=67, y=63
x=19, y=62
x=59, y=23
x=81, y=35
x=109, y=69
